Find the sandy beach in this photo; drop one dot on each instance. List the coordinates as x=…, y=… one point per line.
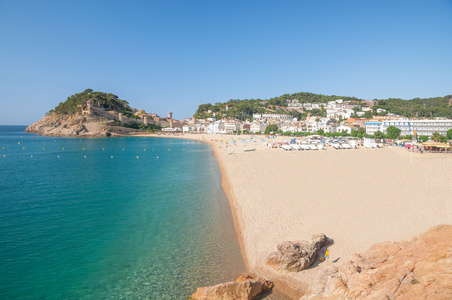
x=357, y=197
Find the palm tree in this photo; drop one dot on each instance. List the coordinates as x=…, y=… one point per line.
x=436, y=136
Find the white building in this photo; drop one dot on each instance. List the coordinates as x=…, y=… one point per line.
x=215, y=127
x=339, y=113
x=277, y=117
x=257, y=127
x=374, y=126
x=421, y=127
x=231, y=127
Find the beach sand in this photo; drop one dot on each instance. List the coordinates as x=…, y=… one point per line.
x=357, y=197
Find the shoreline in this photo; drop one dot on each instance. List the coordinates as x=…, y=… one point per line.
x=379, y=195
x=357, y=197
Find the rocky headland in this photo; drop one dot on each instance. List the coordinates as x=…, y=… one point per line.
x=97, y=114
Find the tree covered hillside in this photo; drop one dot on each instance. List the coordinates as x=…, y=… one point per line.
x=243, y=109
x=108, y=101
x=422, y=108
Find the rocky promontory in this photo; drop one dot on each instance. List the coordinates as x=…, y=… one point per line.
x=77, y=125
x=96, y=114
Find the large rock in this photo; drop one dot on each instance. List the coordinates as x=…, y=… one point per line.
x=418, y=269
x=297, y=256
x=245, y=287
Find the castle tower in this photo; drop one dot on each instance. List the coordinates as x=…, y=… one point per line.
x=121, y=118
x=171, y=123
x=90, y=104
x=193, y=120
x=170, y=115
x=146, y=120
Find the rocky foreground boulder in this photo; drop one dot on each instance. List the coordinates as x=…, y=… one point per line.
x=244, y=288
x=297, y=256
x=416, y=269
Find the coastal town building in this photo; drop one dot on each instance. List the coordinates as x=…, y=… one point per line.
x=420, y=127
x=276, y=117
x=257, y=127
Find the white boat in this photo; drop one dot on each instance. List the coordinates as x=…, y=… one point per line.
x=249, y=149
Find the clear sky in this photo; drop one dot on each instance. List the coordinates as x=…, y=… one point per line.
x=174, y=55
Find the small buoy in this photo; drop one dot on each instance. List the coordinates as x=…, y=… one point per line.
x=63, y=148
x=138, y=157
x=103, y=149
x=122, y=149
x=43, y=148
x=112, y=156
x=3, y=148
x=31, y=155
x=169, y=149
x=23, y=148
x=18, y=143
x=84, y=156
x=157, y=157
x=184, y=150
x=4, y=155
x=83, y=148
x=144, y=149
x=58, y=156
x=20, y=136
x=152, y=149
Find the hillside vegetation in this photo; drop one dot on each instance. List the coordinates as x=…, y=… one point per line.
x=244, y=109
x=108, y=101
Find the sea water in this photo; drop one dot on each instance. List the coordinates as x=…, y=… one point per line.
x=111, y=218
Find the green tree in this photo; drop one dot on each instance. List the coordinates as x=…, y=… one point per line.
x=393, y=132
x=379, y=135
x=271, y=128
x=367, y=115
x=320, y=132
x=423, y=138
x=436, y=136
x=449, y=134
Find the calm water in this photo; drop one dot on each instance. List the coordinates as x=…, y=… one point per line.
x=136, y=218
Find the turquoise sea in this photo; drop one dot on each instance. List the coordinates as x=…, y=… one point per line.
x=111, y=218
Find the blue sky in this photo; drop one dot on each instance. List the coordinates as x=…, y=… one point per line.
x=174, y=55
